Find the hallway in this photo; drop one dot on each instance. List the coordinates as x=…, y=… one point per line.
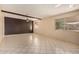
x=35, y=44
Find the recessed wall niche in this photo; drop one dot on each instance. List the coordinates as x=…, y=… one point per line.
x=17, y=26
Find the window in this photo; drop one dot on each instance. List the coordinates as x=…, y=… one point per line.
x=59, y=23
x=67, y=24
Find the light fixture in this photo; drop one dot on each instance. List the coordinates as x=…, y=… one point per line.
x=70, y=5
x=27, y=20
x=73, y=23
x=33, y=19
x=58, y=5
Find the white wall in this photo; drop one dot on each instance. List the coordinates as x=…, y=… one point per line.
x=1, y=25
x=47, y=28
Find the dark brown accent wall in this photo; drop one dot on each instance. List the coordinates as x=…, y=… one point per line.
x=17, y=26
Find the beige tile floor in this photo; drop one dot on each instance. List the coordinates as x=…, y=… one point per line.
x=35, y=44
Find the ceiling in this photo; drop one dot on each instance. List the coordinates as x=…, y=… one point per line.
x=38, y=10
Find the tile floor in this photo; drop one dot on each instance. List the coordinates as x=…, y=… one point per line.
x=35, y=44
